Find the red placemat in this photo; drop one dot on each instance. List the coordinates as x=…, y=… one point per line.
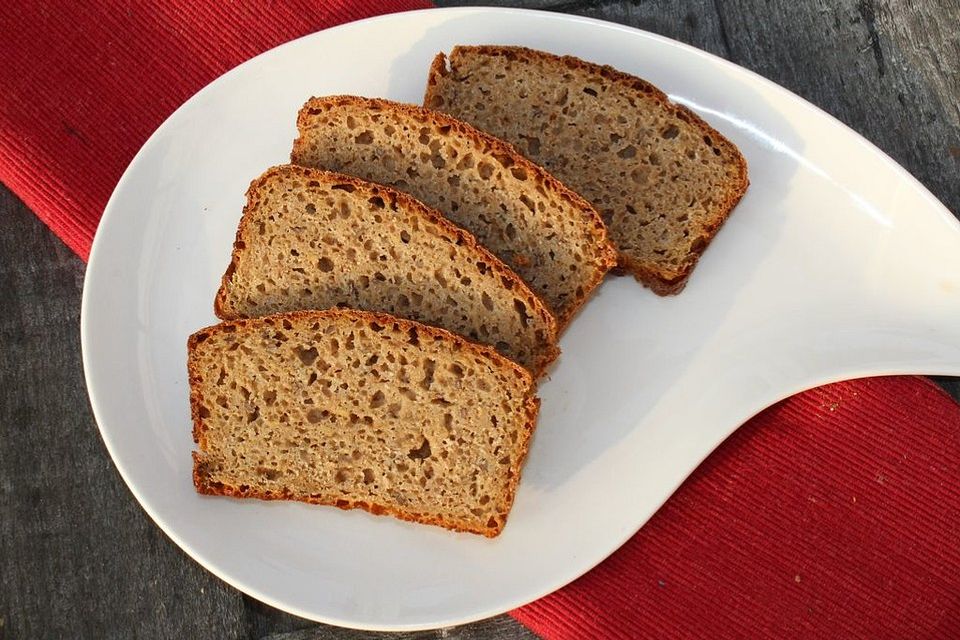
x=84, y=84
x=832, y=514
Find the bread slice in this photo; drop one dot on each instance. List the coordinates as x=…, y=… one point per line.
x=360, y=410
x=311, y=239
x=546, y=233
x=663, y=179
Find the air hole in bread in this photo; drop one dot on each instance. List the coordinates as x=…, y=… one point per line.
x=485, y=170
x=420, y=453
x=307, y=356
x=521, y=310
x=528, y=203
x=429, y=369
x=505, y=160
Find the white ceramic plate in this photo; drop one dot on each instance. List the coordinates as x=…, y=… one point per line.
x=836, y=264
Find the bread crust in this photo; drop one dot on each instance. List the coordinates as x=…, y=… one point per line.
x=606, y=255
x=460, y=236
x=204, y=485
x=661, y=281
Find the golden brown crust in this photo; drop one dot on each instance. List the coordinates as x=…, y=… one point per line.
x=196, y=393
x=204, y=485
x=662, y=283
x=606, y=254
x=532, y=408
x=208, y=487
x=438, y=69
x=408, y=202
x=362, y=316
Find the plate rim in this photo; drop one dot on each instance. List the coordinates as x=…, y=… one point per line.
x=109, y=212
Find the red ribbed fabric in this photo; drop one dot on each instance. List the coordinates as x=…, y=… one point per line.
x=832, y=514
x=84, y=84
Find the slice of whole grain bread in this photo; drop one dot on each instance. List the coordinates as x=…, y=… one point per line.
x=360, y=410
x=312, y=239
x=546, y=233
x=662, y=179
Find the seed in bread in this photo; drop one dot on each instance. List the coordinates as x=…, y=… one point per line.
x=312, y=239
x=662, y=178
x=360, y=410
x=546, y=233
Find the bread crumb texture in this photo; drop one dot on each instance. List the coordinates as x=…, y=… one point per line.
x=545, y=232
x=313, y=239
x=360, y=410
x=663, y=180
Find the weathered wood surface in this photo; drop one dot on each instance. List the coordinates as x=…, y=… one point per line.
x=80, y=559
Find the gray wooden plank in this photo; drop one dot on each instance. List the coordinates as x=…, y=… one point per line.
x=888, y=69
x=695, y=22
x=499, y=628
x=81, y=559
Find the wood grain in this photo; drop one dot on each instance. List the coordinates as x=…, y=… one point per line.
x=78, y=556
